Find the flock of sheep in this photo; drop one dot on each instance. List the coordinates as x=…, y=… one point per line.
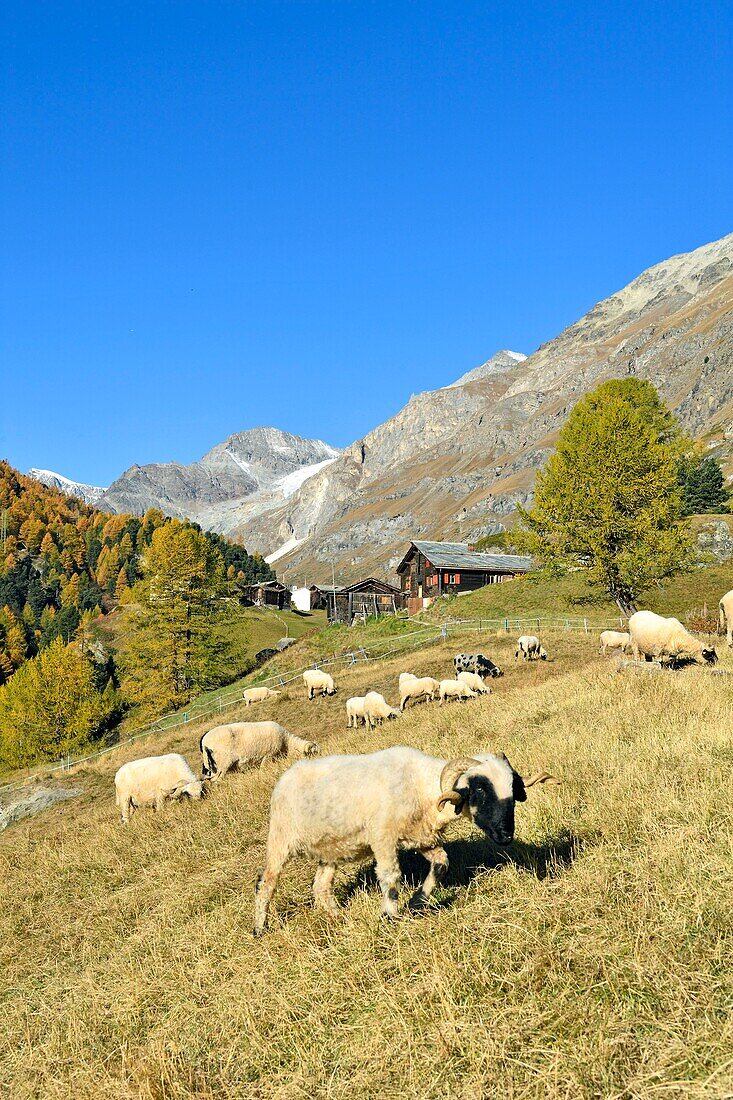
x=397, y=798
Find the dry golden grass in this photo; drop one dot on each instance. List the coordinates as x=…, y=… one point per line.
x=592, y=959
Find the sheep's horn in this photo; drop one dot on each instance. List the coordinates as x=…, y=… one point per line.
x=541, y=777
x=451, y=796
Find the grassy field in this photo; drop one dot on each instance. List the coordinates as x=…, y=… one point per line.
x=589, y=960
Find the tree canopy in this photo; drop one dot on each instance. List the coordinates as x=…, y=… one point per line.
x=609, y=499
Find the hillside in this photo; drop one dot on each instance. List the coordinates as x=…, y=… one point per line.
x=588, y=959
x=454, y=462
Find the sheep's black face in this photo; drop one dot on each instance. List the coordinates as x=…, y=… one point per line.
x=494, y=816
x=710, y=656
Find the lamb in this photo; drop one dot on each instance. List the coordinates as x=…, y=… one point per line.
x=653, y=636
x=614, y=639
x=239, y=743
x=355, y=711
x=474, y=681
x=416, y=689
x=344, y=808
x=530, y=648
x=376, y=709
x=455, y=689
x=317, y=681
x=476, y=662
x=725, y=607
x=258, y=695
x=153, y=780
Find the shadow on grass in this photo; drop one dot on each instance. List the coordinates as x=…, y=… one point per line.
x=472, y=857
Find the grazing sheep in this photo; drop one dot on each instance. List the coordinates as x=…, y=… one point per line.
x=241, y=743
x=344, y=808
x=376, y=709
x=258, y=695
x=474, y=682
x=614, y=639
x=529, y=646
x=152, y=781
x=405, y=676
x=455, y=689
x=317, y=681
x=418, y=688
x=725, y=608
x=476, y=662
x=355, y=711
x=653, y=636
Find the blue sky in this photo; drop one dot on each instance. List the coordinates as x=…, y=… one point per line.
x=219, y=215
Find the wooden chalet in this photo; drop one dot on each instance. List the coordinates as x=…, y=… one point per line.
x=344, y=603
x=266, y=594
x=431, y=569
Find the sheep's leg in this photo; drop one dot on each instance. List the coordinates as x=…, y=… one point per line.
x=266, y=886
x=322, y=887
x=730, y=633
x=438, y=870
x=125, y=810
x=159, y=800
x=388, y=876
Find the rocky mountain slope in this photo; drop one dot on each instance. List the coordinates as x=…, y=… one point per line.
x=246, y=474
x=454, y=462
x=90, y=494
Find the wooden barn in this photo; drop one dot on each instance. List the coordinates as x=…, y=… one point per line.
x=266, y=594
x=431, y=569
x=344, y=603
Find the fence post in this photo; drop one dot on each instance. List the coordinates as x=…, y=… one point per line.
x=585, y=624
x=185, y=716
x=506, y=625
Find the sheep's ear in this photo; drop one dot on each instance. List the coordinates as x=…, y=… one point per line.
x=518, y=791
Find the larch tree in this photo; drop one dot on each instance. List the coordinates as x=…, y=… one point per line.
x=609, y=499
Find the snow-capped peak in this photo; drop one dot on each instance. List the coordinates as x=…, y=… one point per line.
x=90, y=494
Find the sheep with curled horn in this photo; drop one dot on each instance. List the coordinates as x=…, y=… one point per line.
x=342, y=808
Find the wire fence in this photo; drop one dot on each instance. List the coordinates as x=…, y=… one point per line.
x=379, y=650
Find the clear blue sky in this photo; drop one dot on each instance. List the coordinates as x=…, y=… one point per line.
x=219, y=215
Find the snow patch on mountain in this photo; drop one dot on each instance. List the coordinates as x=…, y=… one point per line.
x=90, y=494
x=290, y=483
x=292, y=544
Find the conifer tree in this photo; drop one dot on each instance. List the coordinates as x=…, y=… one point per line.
x=609, y=498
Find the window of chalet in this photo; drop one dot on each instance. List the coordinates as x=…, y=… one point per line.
x=451, y=578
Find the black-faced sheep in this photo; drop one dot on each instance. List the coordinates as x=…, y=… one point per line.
x=476, y=662
x=376, y=709
x=653, y=636
x=455, y=689
x=344, y=808
x=475, y=682
x=240, y=743
x=319, y=682
x=530, y=648
x=152, y=781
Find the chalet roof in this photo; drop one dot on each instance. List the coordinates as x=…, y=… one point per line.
x=456, y=555
x=326, y=589
x=273, y=586
x=372, y=584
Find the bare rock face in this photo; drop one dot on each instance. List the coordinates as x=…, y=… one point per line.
x=482, y=439
x=248, y=473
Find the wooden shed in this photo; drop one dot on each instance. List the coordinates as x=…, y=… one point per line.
x=431, y=569
x=266, y=594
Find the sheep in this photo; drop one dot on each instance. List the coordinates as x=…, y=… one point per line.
x=476, y=662
x=725, y=608
x=455, y=689
x=405, y=676
x=417, y=688
x=239, y=743
x=317, y=681
x=355, y=711
x=152, y=780
x=530, y=648
x=474, y=681
x=654, y=636
x=614, y=639
x=343, y=808
x=258, y=695
x=376, y=709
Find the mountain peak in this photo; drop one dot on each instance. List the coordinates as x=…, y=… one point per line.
x=90, y=494
x=499, y=363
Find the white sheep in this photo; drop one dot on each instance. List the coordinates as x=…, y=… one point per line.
x=376, y=709
x=258, y=695
x=455, y=689
x=153, y=780
x=343, y=808
x=530, y=648
x=614, y=639
x=239, y=743
x=405, y=676
x=355, y=711
x=416, y=689
x=653, y=636
x=317, y=681
x=725, y=608
x=474, y=681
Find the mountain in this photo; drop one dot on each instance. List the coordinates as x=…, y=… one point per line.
x=454, y=462
x=90, y=494
x=246, y=474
